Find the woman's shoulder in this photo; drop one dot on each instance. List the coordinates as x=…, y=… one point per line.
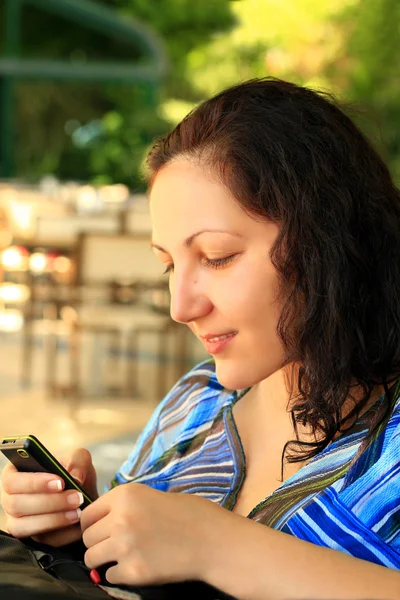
x=196, y=399
x=189, y=408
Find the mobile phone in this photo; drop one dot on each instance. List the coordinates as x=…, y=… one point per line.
x=30, y=456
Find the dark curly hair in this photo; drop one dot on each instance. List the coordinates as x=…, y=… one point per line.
x=290, y=154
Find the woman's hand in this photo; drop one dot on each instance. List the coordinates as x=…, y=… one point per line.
x=154, y=537
x=36, y=504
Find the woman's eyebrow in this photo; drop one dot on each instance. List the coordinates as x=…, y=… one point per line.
x=188, y=242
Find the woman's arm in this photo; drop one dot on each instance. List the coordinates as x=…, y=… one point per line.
x=158, y=537
x=260, y=563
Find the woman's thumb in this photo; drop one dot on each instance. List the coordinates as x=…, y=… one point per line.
x=78, y=464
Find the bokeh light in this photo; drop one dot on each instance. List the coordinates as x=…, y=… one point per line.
x=14, y=258
x=37, y=262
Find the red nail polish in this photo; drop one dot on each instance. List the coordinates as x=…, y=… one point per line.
x=95, y=577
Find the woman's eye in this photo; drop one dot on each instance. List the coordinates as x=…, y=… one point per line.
x=168, y=269
x=215, y=263
x=218, y=262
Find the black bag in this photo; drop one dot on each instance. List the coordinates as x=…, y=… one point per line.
x=33, y=571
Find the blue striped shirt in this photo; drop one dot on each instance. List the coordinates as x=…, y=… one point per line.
x=346, y=498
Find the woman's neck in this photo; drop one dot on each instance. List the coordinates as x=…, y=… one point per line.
x=272, y=396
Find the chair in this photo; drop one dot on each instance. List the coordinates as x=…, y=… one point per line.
x=41, y=314
x=119, y=291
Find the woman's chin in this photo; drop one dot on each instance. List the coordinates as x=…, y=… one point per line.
x=230, y=378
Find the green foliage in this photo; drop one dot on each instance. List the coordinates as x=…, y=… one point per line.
x=101, y=132
x=127, y=113
x=121, y=146
x=372, y=50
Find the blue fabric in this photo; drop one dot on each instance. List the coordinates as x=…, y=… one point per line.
x=346, y=498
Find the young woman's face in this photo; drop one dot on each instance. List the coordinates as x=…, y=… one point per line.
x=239, y=295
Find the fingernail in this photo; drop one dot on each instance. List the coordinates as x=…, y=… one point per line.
x=55, y=485
x=77, y=474
x=73, y=515
x=76, y=498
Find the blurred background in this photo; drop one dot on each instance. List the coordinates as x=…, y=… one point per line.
x=87, y=347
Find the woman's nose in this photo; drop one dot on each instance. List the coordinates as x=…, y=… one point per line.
x=188, y=301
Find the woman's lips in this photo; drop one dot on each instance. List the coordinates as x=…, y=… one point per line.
x=218, y=346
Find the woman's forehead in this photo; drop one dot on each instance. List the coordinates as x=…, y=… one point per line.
x=185, y=198
x=186, y=189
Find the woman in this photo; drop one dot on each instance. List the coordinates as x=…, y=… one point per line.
x=279, y=227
